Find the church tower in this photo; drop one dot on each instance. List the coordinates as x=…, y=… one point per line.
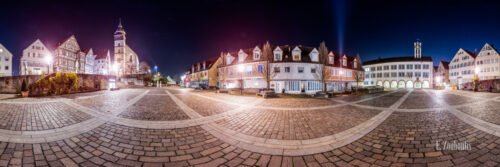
x=120, y=44
x=418, y=49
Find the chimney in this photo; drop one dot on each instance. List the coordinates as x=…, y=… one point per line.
x=204, y=65
x=475, y=51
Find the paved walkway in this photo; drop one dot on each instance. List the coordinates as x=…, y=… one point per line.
x=182, y=127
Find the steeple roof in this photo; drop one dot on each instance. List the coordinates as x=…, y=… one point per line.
x=120, y=29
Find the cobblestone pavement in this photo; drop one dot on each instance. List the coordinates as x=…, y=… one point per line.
x=297, y=125
x=33, y=117
x=396, y=128
x=154, y=108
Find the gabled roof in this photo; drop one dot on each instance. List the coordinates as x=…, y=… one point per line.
x=86, y=51
x=101, y=54
x=398, y=59
x=468, y=52
x=209, y=63
x=488, y=45
x=6, y=50
x=287, y=54
x=337, y=61
x=248, y=59
x=60, y=43
x=445, y=64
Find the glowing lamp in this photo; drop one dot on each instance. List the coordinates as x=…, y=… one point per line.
x=241, y=67
x=48, y=59
x=476, y=70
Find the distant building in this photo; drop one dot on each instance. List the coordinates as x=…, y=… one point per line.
x=89, y=61
x=66, y=54
x=487, y=63
x=5, y=61
x=400, y=72
x=343, y=73
x=125, y=58
x=462, y=68
x=102, y=62
x=33, y=60
x=441, y=75
x=204, y=74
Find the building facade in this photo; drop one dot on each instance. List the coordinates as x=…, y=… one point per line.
x=34, y=61
x=125, y=58
x=89, y=61
x=441, y=75
x=205, y=74
x=462, y=68
x=66, y=55
x=296, y=70
x=5, y=61
x=400, y=72
x=343, y=73
x=288, y=69
x=102, y=62
x=487, y=63
x=245, y=69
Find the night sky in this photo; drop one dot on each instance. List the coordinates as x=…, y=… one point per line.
x=176, y=34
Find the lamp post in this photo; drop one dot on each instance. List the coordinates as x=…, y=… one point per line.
x=182, y=79
x=115, y=69
x=241, y=67
x=48, y=60
x=476, y=79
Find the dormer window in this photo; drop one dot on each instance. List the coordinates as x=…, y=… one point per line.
x=278, y=54
x=229, y=59
x=296, y=54
x=314, y=55
x=256, y=53
x=344, y=61
x=331, y=58
x=241, y=56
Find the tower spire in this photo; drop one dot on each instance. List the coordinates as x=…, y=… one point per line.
x=120, y=22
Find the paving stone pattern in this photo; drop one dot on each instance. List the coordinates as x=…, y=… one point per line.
x=154, y=108
x=404, y=138
x=34, y=117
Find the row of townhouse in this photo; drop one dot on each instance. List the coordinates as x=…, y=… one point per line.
x=467, y=66
x=285, y=69
x=67, y=56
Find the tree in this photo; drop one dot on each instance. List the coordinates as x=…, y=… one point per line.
x=323, y=59
x=144, y=67
x=267, y=55
x=222, y=75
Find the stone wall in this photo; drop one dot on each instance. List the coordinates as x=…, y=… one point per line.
x=13, y=84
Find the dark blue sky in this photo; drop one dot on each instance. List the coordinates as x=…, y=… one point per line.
x=176, y=34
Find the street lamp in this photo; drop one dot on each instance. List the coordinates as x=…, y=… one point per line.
x=156, y=68
x=115, y=68
x=48, y=60
x=241, y=67
x=476, y=79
